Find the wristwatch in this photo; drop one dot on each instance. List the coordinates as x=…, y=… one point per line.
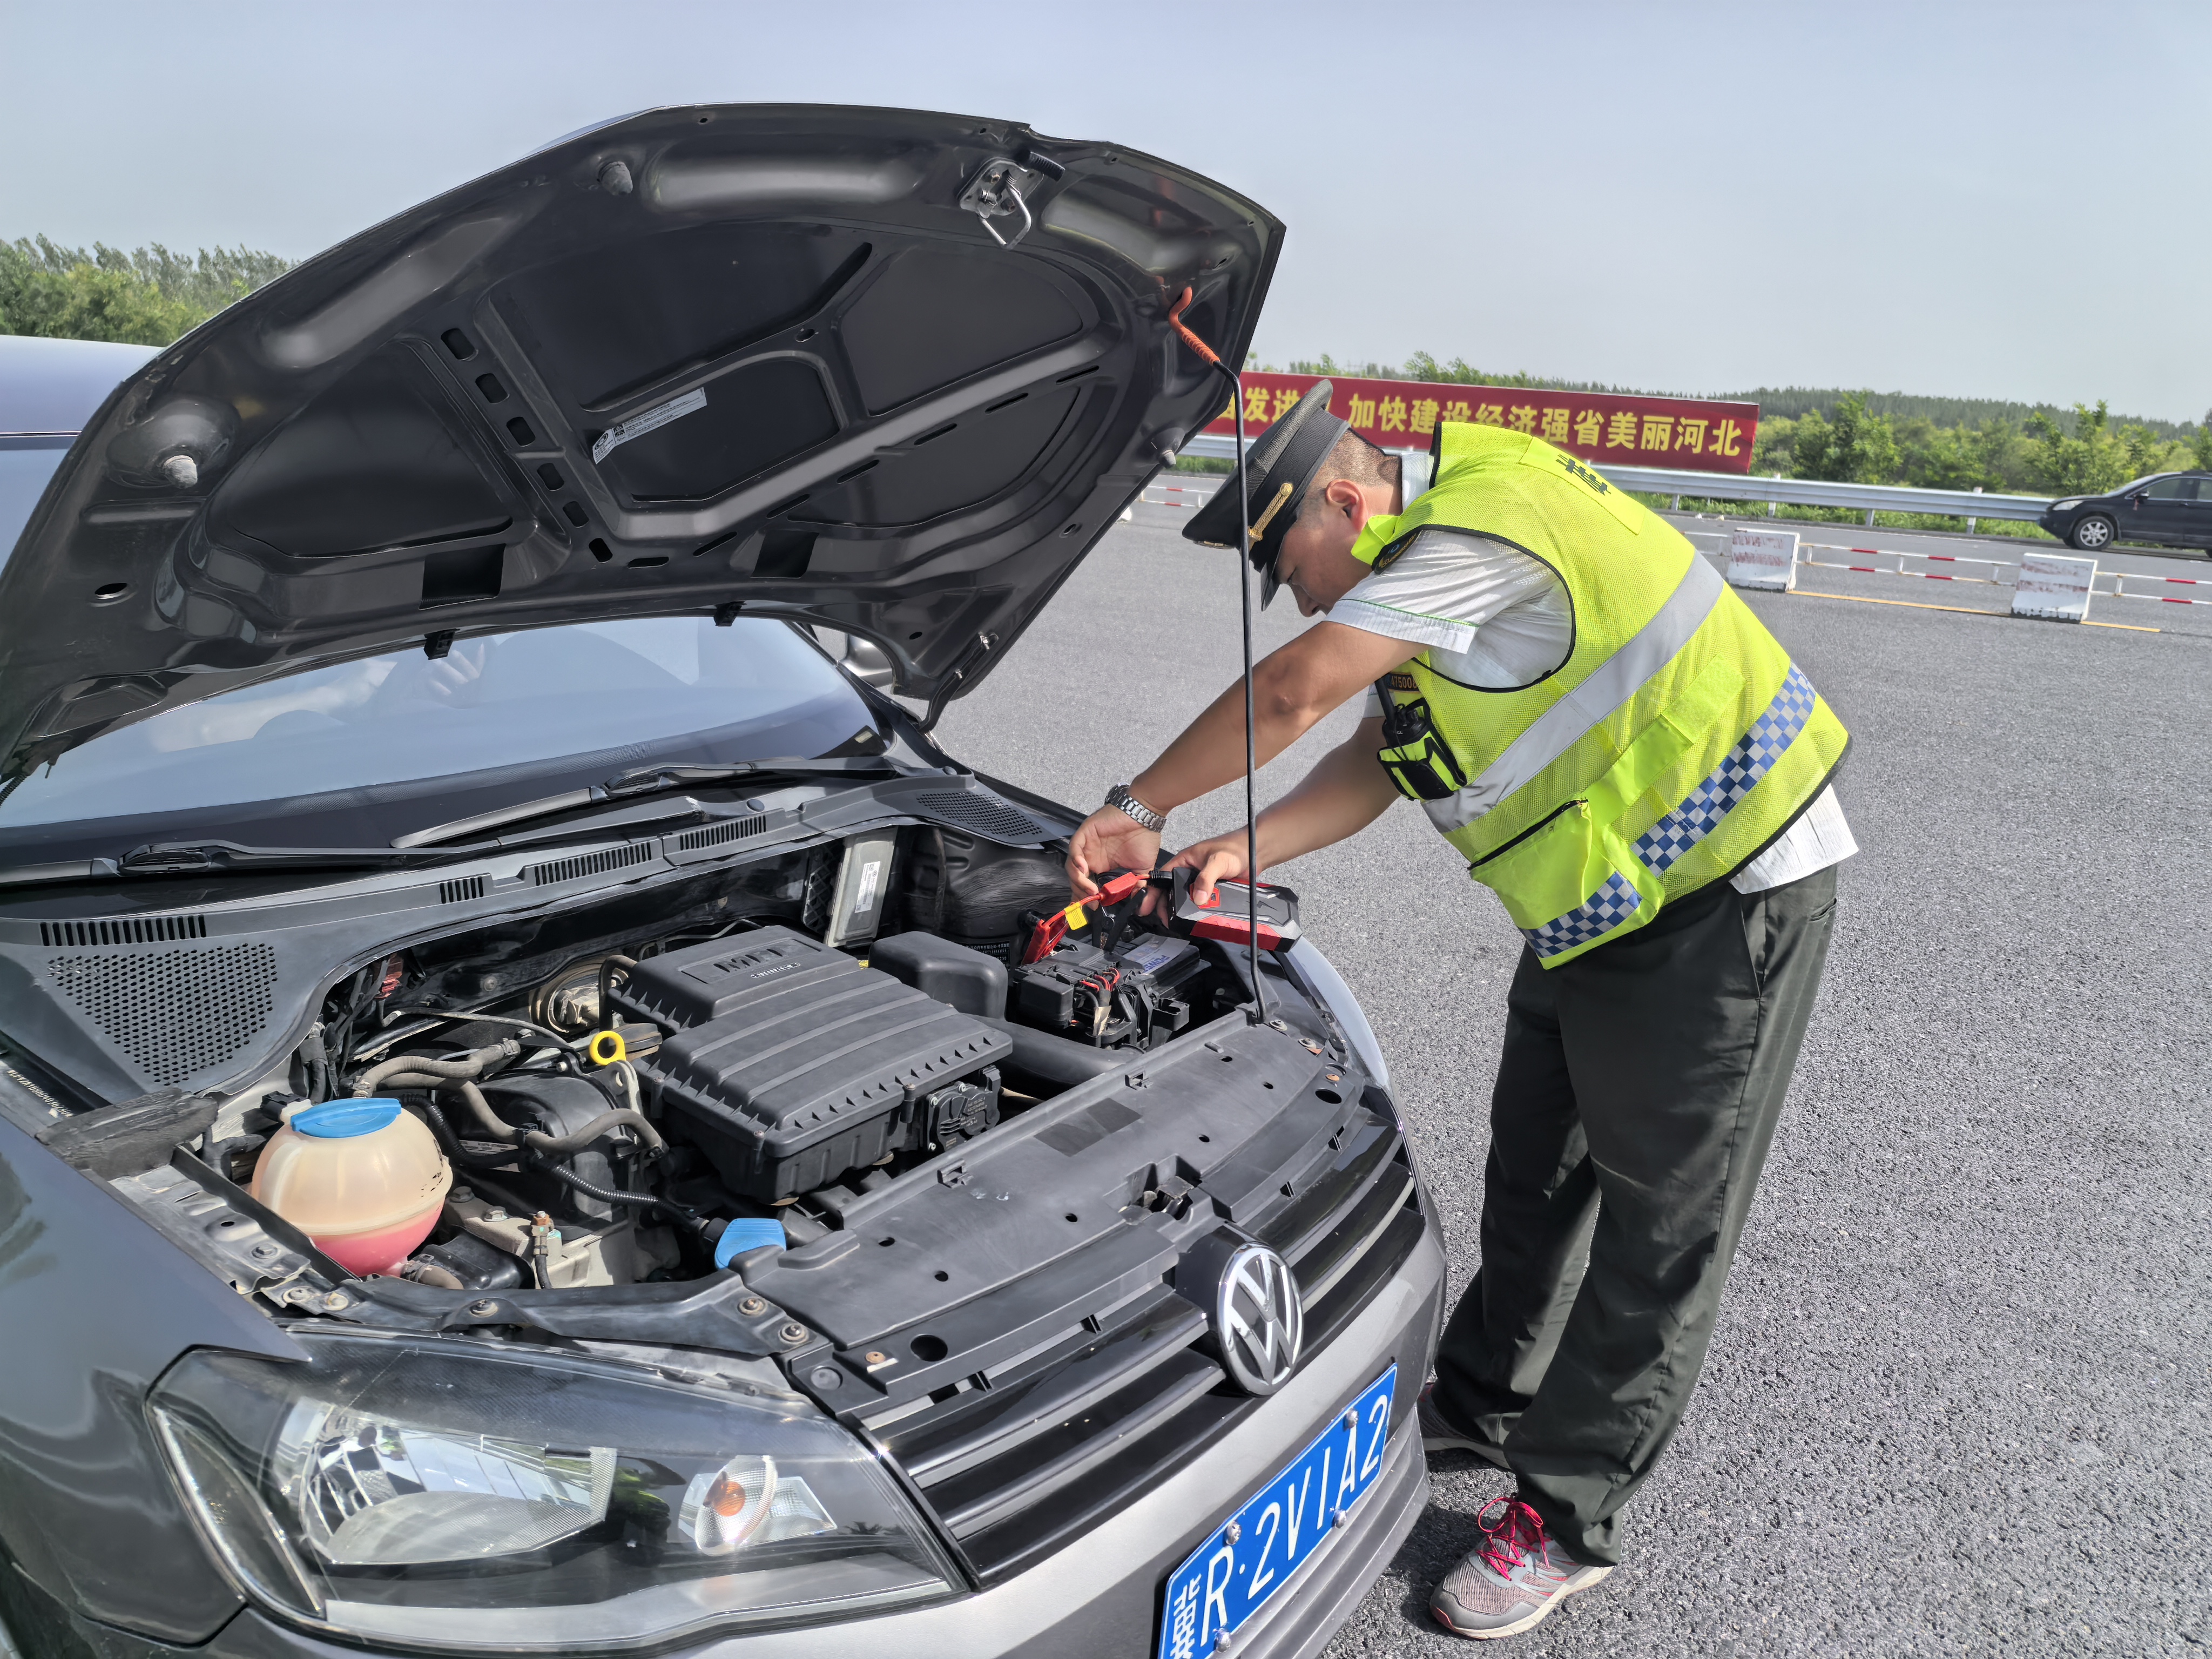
x=1135, y=809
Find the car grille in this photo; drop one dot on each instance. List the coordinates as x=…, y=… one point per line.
x=1018, y=1462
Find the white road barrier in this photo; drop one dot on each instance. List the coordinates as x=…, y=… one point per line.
x=2053, y=588
x=1185, y=496
x=2120, y=593
x=2039, y=587
x=1762, y=559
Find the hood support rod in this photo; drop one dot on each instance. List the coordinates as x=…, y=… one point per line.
x=1259, y=1014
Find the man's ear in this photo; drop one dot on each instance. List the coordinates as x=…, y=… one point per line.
x=1348, y=499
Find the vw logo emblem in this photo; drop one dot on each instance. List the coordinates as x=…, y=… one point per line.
x=1257, y=1319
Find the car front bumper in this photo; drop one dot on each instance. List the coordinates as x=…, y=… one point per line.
x=1099, y=1597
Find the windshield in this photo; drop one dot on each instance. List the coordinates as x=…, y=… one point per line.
x=660, y=688
x=2135, y=483
x=25, y=464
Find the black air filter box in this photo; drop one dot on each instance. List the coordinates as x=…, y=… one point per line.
x=805, y=1073
x=694, y=985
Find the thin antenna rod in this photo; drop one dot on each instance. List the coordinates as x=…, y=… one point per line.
x=1244, y=595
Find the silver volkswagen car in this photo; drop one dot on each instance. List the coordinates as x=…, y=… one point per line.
x=539, y=1112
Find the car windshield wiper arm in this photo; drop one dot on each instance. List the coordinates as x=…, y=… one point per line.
x=202, y=857
x=214, y=858
x=641, y=781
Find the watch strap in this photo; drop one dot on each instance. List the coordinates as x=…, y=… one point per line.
x=1143, y=816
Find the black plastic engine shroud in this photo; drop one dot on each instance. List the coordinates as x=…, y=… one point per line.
x=791, y=1063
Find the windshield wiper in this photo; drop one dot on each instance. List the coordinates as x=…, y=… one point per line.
x=643, y=780
x=208, y=857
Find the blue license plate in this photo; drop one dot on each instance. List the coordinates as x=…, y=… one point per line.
x=1260, y=1548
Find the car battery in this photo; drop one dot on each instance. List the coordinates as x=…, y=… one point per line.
x=1128, y=996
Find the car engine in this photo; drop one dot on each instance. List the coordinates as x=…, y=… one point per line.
x=644, y=1103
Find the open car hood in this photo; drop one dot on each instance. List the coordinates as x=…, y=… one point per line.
x=700, y=359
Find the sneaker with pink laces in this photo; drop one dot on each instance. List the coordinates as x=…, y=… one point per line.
x=1516, y=1576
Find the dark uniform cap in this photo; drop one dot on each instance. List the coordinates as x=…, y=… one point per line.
x=1280, y=464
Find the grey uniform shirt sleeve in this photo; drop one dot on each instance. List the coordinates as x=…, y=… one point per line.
x=1488, y=614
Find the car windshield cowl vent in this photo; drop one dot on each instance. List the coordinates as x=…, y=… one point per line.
x=718, y=834
x=591, y=863
x=123, y=930
x=173, y=1013
x=988, y=815
x=461, y=889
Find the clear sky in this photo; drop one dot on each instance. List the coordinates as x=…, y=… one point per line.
x=1999, y=200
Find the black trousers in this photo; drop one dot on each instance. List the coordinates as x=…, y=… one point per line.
x=1635, y=1102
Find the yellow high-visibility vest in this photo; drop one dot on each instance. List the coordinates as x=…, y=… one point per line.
x=1673, y=743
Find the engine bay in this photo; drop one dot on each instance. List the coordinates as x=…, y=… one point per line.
x=638, y=1092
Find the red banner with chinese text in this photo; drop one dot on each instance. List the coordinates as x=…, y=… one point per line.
x=1693, y=433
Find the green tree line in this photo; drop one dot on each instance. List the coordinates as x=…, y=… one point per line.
x=2084, y=455
x=146, y=297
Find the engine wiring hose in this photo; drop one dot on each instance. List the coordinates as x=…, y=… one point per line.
x=450, y=1143
x=683, y=1213
x=463, y=1016
x=607, y=968
x=470, y=1066
x=1053, y=1059
x=472, y=1162
x=577, y=1140
x=461, y=1075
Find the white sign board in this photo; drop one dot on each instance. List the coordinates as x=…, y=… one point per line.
x=1763, y=559
x=2054, y=588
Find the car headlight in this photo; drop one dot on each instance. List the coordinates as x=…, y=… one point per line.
x=454, y=1494
x=2068, y=506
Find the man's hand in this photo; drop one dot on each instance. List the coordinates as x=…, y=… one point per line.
x=1109, y=840
x=1346, y=791
x=1217, y=859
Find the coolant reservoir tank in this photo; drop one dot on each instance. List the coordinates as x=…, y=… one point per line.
x=362, y=1178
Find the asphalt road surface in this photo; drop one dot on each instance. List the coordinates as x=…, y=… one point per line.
x=1960, y=1400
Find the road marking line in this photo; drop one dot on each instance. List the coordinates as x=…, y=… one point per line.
x=1962, y=609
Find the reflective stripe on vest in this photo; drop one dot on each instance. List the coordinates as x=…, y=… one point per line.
x=1612, y=683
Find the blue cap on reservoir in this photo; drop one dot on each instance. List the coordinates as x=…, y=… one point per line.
x=338, y=1120
x=745, y=1234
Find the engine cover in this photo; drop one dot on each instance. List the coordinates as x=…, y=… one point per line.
x=808, y=1065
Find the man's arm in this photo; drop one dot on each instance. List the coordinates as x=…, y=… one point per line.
x=1348, y=790
x=1292, y=687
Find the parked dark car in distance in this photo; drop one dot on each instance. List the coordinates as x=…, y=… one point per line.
x=2166, y=509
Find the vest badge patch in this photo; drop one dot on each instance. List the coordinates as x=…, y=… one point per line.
x=1576, y=469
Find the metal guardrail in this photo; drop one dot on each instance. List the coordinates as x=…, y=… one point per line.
x=1817, y=492
x=1788, y=492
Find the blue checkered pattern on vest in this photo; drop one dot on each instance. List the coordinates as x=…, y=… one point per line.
x=1595, y=917
x=1701, y=812
x=1698, y=816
